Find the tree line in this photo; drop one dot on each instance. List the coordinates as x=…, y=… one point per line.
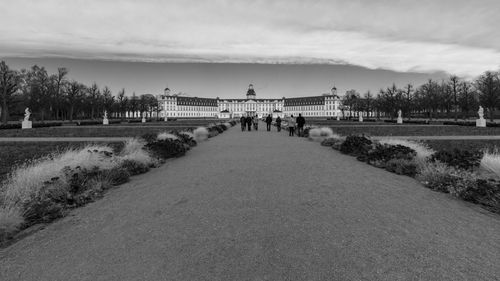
x=451, y=98
x=56, y=97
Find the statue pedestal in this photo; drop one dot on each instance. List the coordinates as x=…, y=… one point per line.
x=481, y=122
x=27, y=125
x=400, y=120
x=105, y=121
x=360, y=118
x=166, y=119
x=143, y=120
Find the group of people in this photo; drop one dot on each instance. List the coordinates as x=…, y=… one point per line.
x=247, y=122
x=299, y=122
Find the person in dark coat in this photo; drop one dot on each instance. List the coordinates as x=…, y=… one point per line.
x=269, y=120
x=278, y=123
x=300, y=125
x=243, y=122
x=249, y=123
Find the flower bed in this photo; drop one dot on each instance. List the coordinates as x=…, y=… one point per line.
x=469, y=175
x=47, y=188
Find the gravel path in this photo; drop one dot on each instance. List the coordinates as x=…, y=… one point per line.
x=264, y=206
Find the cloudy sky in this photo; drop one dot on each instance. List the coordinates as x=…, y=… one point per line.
x=426, y=36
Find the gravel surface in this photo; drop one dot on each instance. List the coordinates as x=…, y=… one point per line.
x=264, y=206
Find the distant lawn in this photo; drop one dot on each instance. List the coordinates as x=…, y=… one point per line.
x=92, y=131
x=414, y=130
x=13, y=154
x=463, y=144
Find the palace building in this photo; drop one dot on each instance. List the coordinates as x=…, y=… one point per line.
x=177, y=106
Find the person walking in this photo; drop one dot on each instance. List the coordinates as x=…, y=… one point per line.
x=256, y=122
x=301, y=121
x=243, y=122
x=278, y=123
x=269, y=120
x=291, y=126
x=249, y=123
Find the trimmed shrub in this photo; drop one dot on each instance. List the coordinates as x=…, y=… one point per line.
x=462, y=159
x=200, y=134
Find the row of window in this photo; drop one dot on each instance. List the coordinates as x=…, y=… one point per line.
x=309, y=113
x=190, y=114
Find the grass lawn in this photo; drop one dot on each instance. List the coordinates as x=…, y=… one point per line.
x=13, y=154
x=414, y=130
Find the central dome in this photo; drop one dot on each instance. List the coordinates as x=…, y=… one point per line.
x=250, y=92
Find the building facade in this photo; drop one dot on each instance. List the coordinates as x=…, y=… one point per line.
x=176, y=106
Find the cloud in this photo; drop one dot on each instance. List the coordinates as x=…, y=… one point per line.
x=455, y=36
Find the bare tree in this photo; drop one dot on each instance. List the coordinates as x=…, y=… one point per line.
x=408, y=100
x=122, y=102
x=488, y=85
x=74, y=95
x=454, y=84
x=93, y=98
x=108, y=99
x=9, y=84
x=59, y=81
x=467, y=98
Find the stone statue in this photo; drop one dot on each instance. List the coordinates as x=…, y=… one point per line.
x=105, y=114
x=399, y=114
x=27, y=114
x=480, y=112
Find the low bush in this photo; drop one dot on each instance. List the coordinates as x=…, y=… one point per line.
x=332, y=142
x=385, y=152
x=462, y=159
x=167, y=148
x=401, y=166
x=200, y=134
x=484, y=192
x=10, y=126
x=356, y=145
x=438, y=176
x=320, y=134
x=165, y=135
x=491, y=162
x=117, y=175
x=187, y=137
x=10, y=221
x=134, y=167
x=34, y=125
x=423, y=152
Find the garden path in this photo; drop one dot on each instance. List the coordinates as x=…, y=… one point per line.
x=264, y=206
